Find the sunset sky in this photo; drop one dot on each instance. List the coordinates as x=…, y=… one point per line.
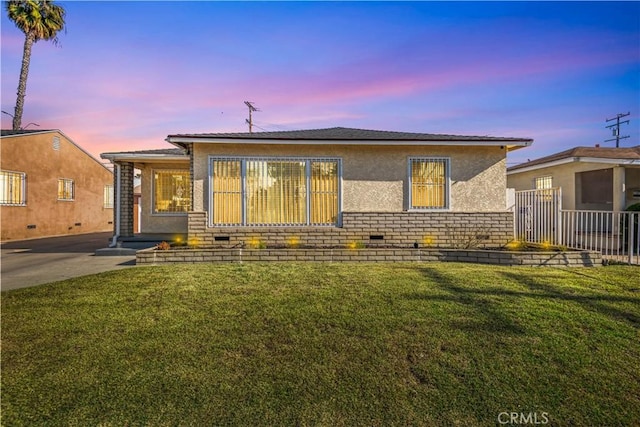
x=127, y=74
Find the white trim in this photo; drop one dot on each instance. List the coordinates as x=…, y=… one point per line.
x=622, y=162
x=447, y=166
x=390, y=142
x=132, y=157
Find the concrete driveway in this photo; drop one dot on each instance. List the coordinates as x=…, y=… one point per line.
x=34, y=262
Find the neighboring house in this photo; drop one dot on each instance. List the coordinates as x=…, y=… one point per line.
x=50, y=186
x=324, y=187
x=591, y=178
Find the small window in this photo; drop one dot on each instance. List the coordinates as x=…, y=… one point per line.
x=66, y=189
x=429, y=183
x=544, y=182
x=12, y=188
x=171, y=191
x=108, y=196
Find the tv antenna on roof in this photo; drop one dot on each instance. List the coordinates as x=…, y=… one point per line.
x=252, y=108
x=616, y=128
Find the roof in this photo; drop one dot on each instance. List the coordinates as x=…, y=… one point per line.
x=349, y=136
x=624, y=155
x=9, y=132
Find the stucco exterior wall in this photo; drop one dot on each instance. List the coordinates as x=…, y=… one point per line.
x=35, y=155
x=158, y=223
x=375, y=178
x=564, y=176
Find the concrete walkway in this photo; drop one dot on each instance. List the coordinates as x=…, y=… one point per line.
x=34, y=262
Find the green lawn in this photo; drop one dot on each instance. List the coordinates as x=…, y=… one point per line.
x=324, y=344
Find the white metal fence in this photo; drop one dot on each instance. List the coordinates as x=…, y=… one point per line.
x=615, y=234
x=537, y=215
x=539, y=218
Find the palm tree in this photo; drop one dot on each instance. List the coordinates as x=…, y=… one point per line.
x=38, y=20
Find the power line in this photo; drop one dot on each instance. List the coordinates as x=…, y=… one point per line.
x=616, y=128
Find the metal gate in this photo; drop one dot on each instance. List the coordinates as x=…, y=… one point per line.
x=537, y=216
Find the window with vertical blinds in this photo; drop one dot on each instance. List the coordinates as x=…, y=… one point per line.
x=259, y=191
x=429, y=183
x=171, y=191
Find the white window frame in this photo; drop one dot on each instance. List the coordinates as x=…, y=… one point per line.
x=153, y=191
x=23, y=188
x=243, y=168
x=543, y=179
x=67, y=181
x=108, y=198
x=447, y=187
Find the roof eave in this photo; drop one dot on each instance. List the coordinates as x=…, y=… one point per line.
x=133, y=157
x=622, y=162
x=509, y=143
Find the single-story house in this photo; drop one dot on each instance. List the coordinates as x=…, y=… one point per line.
x=323, y=187
x=591, y=178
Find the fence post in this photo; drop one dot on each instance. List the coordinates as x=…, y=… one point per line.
x=559, y=217
x=630, y=236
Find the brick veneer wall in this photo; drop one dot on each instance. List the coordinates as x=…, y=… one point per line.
x=553, y=259
x=403, y=229
x=126, y=199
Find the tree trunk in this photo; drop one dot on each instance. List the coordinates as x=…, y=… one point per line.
x=22, y=83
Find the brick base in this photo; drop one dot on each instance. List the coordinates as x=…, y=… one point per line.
x=372, y=229
x=554, y=259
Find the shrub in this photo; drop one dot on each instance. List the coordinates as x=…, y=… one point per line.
x=163, y=246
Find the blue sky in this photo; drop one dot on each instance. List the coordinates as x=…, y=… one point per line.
x=127, y=74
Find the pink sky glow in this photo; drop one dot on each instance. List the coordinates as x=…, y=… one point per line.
x=549, y=71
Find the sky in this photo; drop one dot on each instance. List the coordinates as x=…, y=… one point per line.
x=127, y=74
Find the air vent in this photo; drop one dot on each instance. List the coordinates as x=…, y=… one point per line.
x=56, y=143
x=221, y=238
x=78, y=224
x=376, y=237
x=31, y=226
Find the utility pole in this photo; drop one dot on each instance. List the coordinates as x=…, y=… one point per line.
x=616, y=128
x=249, y=121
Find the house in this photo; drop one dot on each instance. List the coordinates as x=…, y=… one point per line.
x=591, y=178
x=50, y=186
x=323, y=187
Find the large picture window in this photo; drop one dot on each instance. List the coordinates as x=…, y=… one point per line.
x=171, y=191
x=12, y=188
x=259, y=191
x=429, y=183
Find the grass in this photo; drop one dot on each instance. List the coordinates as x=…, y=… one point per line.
x=324, y=344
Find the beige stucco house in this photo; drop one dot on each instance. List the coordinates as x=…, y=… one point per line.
x=591, y=178
x=324, y=187
x=50, y=186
